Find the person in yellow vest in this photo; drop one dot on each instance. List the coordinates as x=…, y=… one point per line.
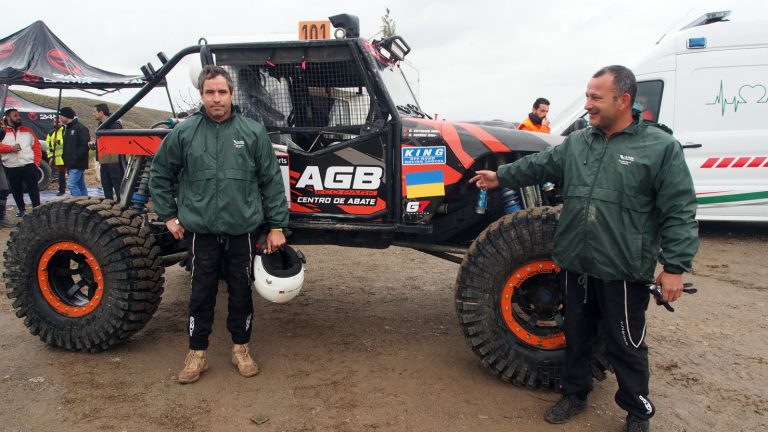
x=537, y=120
x=55, y=143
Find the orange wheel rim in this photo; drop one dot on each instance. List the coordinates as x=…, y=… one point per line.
x=67, y=296
x=514, y=314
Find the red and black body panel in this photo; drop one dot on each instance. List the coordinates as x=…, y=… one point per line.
x=348, y=180
x=468, y=147
x=398, y=176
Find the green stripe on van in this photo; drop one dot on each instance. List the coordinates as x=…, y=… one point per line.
x=735, y=197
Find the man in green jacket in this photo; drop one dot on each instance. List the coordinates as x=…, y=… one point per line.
x=229, y=187
x=629, y=201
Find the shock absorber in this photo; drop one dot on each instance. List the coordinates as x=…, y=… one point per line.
x=140, y=196
x=510, y=198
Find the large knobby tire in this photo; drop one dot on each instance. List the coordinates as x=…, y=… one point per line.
x=509, y=299
x=84, y=273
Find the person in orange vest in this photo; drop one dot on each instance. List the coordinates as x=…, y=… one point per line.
x=537, y=120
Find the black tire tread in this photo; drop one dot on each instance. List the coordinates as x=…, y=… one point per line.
x=503, y=246
x=126, y=252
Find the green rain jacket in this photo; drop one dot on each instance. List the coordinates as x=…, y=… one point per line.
x=629, y=201
x=227, y=176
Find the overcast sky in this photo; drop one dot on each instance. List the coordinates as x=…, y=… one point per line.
x=477, y=60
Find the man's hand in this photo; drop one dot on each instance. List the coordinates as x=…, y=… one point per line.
x=17, y=148
x=485, y=179
x=671, y=286
x=175, y=228
x=545, y=121
x=275, y=241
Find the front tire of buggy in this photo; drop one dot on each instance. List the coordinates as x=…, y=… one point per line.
x=84, y=273
x=510, y=303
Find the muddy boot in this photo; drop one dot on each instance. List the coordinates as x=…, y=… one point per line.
x=194, y=365
x=567, y=407
x=243, y=361
x=4, y=223
x=635, y=424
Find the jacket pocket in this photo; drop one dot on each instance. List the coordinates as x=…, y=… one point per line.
x=242, y=179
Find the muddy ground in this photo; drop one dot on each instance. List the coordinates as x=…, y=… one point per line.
x=373, y=344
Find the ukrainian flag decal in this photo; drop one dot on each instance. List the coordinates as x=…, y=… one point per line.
x=424, y=184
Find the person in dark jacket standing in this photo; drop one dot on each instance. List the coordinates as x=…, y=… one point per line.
x=21, y=155
x=75, y=156
x=111, y=166
x=629, y=201
x=229, y=187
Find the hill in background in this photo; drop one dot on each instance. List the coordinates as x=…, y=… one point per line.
x=136, y=118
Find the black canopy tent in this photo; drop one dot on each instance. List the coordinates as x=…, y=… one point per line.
x=34, y=116
x=35, y=57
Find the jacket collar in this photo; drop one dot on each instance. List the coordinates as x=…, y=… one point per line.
x=535, y=120
x=235, y=111
x=632, y=129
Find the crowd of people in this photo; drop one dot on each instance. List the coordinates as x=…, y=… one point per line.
x=68, y=154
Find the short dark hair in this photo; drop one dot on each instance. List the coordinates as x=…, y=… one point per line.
x=10, y=110
x=540, y=101
x=212, y=71
x=102, y=108
x=623, y=79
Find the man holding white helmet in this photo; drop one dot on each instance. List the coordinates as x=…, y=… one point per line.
x=229, y=187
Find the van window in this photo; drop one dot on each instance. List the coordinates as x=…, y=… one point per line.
x=649, y=97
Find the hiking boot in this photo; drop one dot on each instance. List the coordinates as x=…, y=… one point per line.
x=567, y=407
x=243, y=361
x=194, y=365
x=20, y=213
x=5, y=223
x=635, y=424
x=60, y=194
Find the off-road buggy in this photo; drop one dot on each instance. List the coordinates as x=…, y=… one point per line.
x=363, y=165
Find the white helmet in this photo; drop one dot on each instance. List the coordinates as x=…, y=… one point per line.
x=279, y=276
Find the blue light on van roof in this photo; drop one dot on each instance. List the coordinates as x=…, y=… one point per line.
x=694, y=43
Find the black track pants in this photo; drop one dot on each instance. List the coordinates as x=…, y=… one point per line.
x=212, y=254
x=619, y=307
x=18, y=177
x=111, y=178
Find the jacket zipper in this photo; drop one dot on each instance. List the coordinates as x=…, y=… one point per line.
x=218, y=148
x=591, y=191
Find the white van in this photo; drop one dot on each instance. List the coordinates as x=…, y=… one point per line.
x=709, y=83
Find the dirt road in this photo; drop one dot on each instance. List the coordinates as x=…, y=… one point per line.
x=372, y=344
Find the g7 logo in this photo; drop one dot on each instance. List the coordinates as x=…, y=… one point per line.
x=416, y=206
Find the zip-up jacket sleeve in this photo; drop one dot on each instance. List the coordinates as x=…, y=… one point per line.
x=546, y=165
x=37, y=149
x=49, y=139
x=271, y=184
x=83, y=136
x=164, y=174
x=676, y=206
x=5, y=148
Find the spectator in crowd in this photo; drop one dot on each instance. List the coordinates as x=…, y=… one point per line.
x=537, y=120
x=75, y=154
x=4, y=223
x=111, y=168
x=21, y=156
x=55, y=143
